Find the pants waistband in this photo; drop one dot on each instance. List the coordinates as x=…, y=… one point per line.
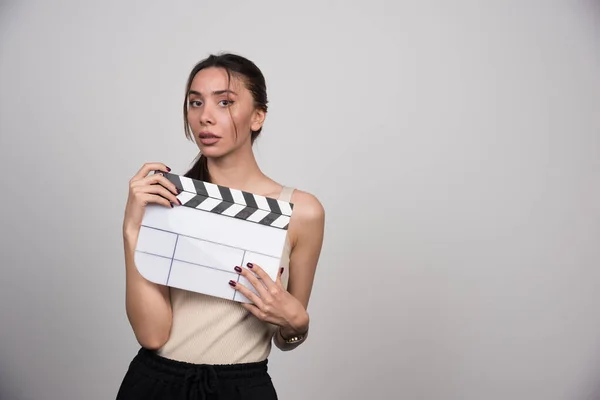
x=198, y=380
x=157, y=364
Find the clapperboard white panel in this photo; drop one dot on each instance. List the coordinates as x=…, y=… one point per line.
x=197, y=245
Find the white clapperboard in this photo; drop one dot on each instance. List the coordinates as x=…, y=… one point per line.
x=197, y=245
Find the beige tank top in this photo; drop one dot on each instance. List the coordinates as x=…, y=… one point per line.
x=212, y=330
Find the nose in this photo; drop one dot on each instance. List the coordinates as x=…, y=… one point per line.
x=206, y=115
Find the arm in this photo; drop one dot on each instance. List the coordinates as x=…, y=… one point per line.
x=273, y=303
x=148, y=304
x=307, y=226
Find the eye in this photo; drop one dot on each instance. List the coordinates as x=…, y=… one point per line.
x=227, y=102
x=194, y=103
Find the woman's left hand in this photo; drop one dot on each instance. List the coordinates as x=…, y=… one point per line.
x=273, y=304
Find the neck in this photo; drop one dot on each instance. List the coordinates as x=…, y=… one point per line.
x=238, y=170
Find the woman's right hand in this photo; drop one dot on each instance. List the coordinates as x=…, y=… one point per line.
x=143, y=190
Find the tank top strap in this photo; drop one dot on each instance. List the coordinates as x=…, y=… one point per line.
x=286, y=194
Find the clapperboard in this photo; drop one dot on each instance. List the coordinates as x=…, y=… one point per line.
x=197, y=245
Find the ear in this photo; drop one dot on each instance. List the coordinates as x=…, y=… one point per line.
x=258, y=119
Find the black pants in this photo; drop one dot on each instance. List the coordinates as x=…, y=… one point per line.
x=152, y=377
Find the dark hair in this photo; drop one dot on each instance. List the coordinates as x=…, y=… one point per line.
x=254, y=81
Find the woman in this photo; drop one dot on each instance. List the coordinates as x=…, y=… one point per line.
x=199, y=346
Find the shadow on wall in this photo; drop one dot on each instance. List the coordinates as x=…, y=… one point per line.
x=594, y=8
x=595, y=394
x=11, y=384
x=592, y=392
x=6, y=391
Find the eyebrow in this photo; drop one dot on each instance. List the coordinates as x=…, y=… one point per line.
x=216, y=92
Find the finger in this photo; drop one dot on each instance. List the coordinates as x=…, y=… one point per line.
x=156, y=199
x=262, y=274
x=157, y=179
x=162, y=180
x=250, y=295
x=158, y=185
x=278, y=280
x=147, y=167
x=161, y=191
x=260, y=288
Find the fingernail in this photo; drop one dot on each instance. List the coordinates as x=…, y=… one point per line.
x=238, y=269
x=232, y=283
x=168, y=169
x=179, y=201
x=281, y=271
x=250, y=265
x=171, y=204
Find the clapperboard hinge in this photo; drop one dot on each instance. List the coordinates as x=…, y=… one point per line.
x=231, y=202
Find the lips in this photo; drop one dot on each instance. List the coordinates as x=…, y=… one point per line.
x=207, y=135
x=208, y=138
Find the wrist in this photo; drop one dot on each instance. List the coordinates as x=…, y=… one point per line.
x=130, y=234
x=297, y=326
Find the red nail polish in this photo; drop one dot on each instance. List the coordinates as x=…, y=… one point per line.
x=281, y=271
x=232, y=283
x=238, y=269
x=250, y=265
x=168, y=169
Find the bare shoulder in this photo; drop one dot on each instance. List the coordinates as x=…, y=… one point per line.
x=308, y=216
x=306, y=205
x=306, y=233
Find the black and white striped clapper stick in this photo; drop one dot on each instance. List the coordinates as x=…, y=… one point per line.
x=231, y=202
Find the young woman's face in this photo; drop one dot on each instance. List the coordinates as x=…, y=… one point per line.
x=216, y=109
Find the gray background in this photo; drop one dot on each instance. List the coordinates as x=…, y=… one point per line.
x=454, y=144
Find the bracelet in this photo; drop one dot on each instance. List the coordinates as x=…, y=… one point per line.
x=293, y=339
